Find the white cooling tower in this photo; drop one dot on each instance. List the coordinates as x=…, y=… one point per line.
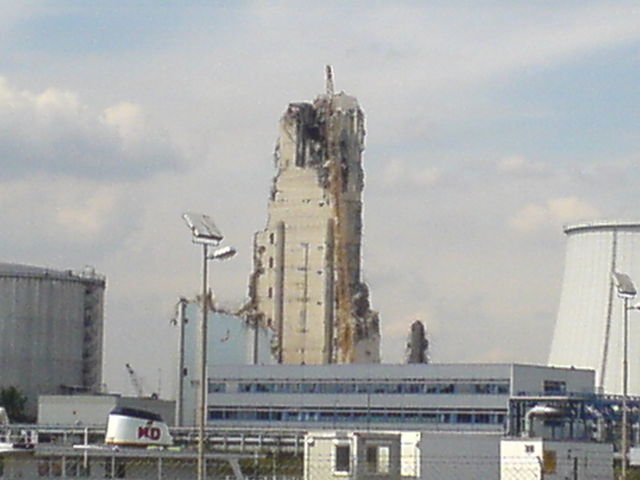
x=588, y=330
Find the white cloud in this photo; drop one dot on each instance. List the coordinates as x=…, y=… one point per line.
x=53, y=131
x=553, y=212
x=88, y=216
x=520, y=166
x=50, y=104
x=127, y=118
x=427, y=177
x=397, y=174
x=64, y=212
x=394, y=172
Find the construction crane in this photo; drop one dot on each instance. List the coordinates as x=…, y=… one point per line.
x=135, y=380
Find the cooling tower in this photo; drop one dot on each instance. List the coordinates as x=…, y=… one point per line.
x=589, y=325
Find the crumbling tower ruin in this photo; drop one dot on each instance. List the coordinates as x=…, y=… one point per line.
x=306, y=282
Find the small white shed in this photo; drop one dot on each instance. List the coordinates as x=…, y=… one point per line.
x=539, y=459
x=351, y=456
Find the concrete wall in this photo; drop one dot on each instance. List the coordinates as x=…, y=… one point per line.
x=80, y=410
x=93, y=410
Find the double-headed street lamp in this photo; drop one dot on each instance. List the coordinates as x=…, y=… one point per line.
x=205, y=233
x=626, y=290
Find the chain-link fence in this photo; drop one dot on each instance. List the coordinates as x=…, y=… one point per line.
x=267, y=465
x=149, y=465
x=324, y=455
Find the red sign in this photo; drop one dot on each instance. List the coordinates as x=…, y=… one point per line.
x=152, y=433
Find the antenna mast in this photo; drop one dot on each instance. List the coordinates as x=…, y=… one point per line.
x=329, y=82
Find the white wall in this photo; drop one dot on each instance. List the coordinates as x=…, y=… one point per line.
x=453, y=456
x=89, y=410
x=92, y=410
x=531, y=378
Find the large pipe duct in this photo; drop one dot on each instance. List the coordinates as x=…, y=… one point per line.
x=542, y=411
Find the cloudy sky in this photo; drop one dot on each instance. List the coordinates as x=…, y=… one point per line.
x=490, y=125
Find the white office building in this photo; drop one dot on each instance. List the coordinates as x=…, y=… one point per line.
x=418, y=397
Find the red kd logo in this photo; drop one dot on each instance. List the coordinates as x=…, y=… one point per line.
x=149, y=432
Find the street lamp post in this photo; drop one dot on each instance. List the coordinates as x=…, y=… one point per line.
x=626, y=290
x=205, y=233
x=180, y=321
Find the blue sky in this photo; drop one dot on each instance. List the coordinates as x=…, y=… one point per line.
x=490, y=125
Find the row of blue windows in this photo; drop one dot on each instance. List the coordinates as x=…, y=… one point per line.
x=357, y=416
x=500, y=388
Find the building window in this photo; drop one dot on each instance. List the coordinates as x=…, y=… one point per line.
x=554, y=387
x=270, y=292
x=215, y=415
x=217, y=387
x=502, y=388
x=270, y=262
x=351, y=415
x=377, y=459
x=464, y=417
x=482, y=388
x=272, y=238
x=447, y=388
x=482, y=418
x=342, y=458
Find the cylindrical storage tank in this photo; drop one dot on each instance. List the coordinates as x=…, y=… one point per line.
x=51, y=328
x=589, y=326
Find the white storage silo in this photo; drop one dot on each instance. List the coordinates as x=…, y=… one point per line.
x=588, y=330
x=51, y=326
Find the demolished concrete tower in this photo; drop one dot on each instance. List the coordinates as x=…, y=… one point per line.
x=306, y=281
